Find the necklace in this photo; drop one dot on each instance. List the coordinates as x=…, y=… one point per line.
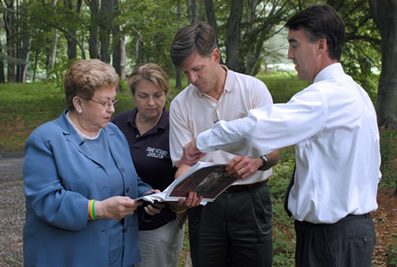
x=82, y=135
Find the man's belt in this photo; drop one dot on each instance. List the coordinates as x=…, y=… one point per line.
x=243, y=187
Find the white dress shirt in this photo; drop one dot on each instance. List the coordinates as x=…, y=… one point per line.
x=333, y=125
x=192, y=112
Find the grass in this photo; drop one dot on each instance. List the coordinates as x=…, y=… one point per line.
x=282, y=85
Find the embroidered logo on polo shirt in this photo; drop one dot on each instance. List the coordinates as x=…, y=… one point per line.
x=156, y=152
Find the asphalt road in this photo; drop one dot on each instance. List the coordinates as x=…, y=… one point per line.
x=12, y=209
x=11, y=164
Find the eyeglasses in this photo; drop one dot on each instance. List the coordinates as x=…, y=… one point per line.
x=107, y=104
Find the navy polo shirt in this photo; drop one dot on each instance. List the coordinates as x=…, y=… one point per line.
x=150, y=153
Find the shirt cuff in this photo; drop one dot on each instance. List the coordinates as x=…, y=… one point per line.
x=202, y=141
x=223, y=135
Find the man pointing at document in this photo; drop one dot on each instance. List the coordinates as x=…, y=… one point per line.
x=333, y=125
x=235, y=229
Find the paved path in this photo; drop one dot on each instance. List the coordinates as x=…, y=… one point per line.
x=12, y=209
x=11, y=164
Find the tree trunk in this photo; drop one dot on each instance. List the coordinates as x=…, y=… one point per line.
x=52, y=59
x=233, y=35
x=93, y=28
x=116, y=39
x=36, y=61
x=25, y=66
x=192, y=10
x=385, y=15
x=178, y=76
x=11, y=48
x=137, y=42
x=105, y=25
x=252, y=56
x=123, y=58
x=211, y=18
x=2, y=76
x=71, y=42
x=202, y=11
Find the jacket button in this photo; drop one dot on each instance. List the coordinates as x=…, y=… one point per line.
x=122, y=170
x=127, y=189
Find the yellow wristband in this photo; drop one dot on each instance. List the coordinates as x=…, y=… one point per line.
x=177, y=211
x=90, y=209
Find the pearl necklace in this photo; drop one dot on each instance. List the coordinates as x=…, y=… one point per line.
x=82, y=135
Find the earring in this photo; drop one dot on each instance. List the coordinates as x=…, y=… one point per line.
x=79, y=111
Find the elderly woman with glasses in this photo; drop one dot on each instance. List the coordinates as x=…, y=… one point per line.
x=80, y=182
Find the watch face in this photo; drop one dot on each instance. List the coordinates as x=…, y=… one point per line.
x=264, y=159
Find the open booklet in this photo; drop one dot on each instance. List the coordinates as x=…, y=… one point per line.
x=207, y=179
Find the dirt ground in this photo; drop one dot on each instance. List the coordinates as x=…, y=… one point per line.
x=12, y=216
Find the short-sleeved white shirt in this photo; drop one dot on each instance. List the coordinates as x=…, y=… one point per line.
x=192, y=112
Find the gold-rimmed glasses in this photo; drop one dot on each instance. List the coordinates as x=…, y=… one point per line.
x=107, y=103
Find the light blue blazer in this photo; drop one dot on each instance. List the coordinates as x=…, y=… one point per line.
x=60, y=177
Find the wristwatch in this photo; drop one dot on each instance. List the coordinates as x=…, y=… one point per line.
x=264, y=161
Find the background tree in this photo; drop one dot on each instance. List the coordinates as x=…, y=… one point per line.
x=233, y=35
x=2, y=77
x=192, y=10
x=119, y=56
x=74, y=11
x=151, y=26
x=93, y=27
x=10, y=33
x=211, y=17
x=262, y=21
x=105, y=26
x=385, y=15
x=361, y=54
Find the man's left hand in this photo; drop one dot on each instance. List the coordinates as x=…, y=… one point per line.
x=243, y=166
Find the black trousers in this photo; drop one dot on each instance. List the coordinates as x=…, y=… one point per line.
x=234, y=230
x=348, y=243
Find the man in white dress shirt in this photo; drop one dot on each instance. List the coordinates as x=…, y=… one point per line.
x=333, y=125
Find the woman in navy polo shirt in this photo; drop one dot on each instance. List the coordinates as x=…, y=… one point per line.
x=146, y=128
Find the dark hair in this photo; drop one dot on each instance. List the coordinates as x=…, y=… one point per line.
x=198, y=37
x=85, y=76
x=321, y=21
x=150, y=72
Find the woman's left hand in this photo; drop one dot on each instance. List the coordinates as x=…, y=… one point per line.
x=152, y=191
x=153, y=209
x=116, y=207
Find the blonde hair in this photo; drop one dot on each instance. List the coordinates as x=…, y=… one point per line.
x=150, y=72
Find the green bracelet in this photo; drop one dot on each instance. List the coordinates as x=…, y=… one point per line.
x=93, y=210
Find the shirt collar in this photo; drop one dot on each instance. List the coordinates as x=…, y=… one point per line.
x=162, y=123
x=230, y=79
x=329, y=71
